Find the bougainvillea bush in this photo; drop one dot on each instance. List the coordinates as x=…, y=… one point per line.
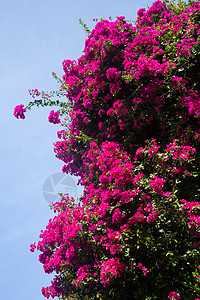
x=131, y=131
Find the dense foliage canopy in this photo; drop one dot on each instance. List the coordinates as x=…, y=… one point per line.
x=131, y=132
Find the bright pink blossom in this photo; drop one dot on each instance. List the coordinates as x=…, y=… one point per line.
x=110, y=269
x=54, y=117
x=173, y=296
x=19, y=111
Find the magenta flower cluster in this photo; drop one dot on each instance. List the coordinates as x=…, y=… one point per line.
x=111, y=268
x=54, y=117
x=173, y=296
x=19, y=111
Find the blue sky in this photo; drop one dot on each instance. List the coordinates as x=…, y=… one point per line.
x=36, y=36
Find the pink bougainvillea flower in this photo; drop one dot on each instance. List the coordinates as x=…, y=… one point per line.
x=19, y=111
x=54, y=117
x=174, y=296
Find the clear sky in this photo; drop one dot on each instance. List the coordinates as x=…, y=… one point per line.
x=35, y=37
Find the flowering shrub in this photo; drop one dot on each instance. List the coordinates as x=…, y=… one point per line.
x=132, y=135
